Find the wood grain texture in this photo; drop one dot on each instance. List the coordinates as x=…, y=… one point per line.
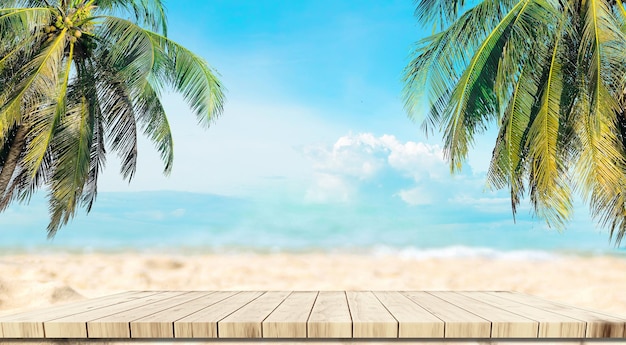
x=76, y=325
x=289, y=320
x=599, y=325
x=203, y=323
x=504, y=324
x=413, y=320
x=310, y=315
x=247, y=321
x=551, y=325
x=30, y=324
x=370, y=319
x=114, y=325
x=460, y=323
x=160, y=324
x=330, y=317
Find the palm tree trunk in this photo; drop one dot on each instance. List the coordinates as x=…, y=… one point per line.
x=11, y=162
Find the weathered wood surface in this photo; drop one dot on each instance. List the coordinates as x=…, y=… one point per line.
x=314, y=315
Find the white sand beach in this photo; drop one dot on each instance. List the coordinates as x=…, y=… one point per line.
x=37, y=280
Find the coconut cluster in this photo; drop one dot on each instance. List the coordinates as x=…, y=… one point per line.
x=75, y=21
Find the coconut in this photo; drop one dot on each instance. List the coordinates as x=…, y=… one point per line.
x=77, y=33
x=73, y=39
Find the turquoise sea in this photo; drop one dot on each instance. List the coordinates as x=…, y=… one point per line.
x=187, y=222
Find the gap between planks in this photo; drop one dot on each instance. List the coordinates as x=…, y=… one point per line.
x=313, y=314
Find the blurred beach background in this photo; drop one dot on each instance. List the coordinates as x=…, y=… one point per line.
x=186, y=241
x=314, y=178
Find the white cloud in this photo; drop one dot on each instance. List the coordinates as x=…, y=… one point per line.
x=417, y=159
x=361, y=156
x=415, y=172
x=329, y=188
x=415, y=196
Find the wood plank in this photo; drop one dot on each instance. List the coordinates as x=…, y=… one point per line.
x=330, y=317
x=551, y=325
x=599, y=325
x=30, y=324
x=370, y=319
x=203, y=324
x=290, y=318
x=62, y=308
x=459, y=322
x=298, y=315
x=161, y=324
x=118, y=325
x=413, y=320
x=70, y=305
x=247, y=321
x=504, y=324
x=75, y=325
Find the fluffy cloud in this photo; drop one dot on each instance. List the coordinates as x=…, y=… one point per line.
x=416, y=196
x=359, y=156
x=357, y=165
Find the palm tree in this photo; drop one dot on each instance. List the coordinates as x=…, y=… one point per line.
x=550, y=74
x=78, y=77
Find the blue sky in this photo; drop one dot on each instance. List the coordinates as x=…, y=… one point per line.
x=313, y=121
x=299, y=74
x=314, y=111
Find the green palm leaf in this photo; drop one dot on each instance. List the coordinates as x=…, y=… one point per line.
x=41, y=74
x=47, y=119
x=191, y=76
x=552, y=76
x=550, y=192
x=478, y=78
x=73, y=143
x=77, y=81
x=146, y=12
x=153, y=120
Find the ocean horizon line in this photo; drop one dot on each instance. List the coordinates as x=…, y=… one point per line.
x=209, y=223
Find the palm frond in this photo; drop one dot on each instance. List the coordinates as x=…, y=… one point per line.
x=439, y=13
x=507, y=167
x=549, y=188
x=36, y=79
x=85, y=92
x=118, y=115
x=439, y=60
x=150, y=13
x=97, y=158
x=21, y=22
x=153, y=120
x=601, y=166
x=23, y=3
x=128, y=49
x=44, y=126
x=621, y=9
x=73, y=143
x=473, y=100
x=23, y=185
x=11, y=53
x=191, y=76
x=74, y=79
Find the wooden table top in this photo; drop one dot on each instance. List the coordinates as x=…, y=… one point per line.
x=313, y=314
